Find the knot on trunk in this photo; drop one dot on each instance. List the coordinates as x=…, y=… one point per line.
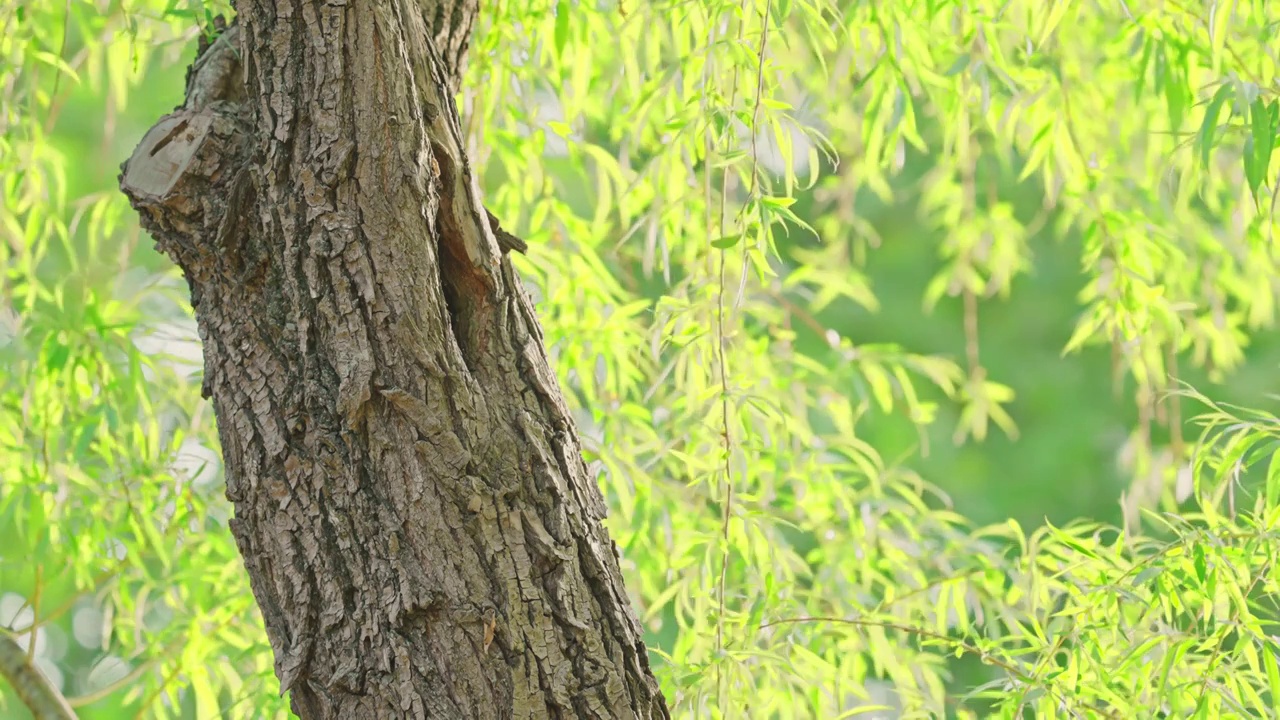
x=187, y=178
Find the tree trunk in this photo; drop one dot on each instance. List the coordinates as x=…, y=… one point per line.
x=410, y=497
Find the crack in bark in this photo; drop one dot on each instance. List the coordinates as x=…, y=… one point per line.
x=466, y=293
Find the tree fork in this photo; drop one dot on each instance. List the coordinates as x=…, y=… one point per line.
x=411, y=502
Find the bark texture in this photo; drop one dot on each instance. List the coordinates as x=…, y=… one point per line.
x=410, y=498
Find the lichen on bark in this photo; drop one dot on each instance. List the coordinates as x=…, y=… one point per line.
x=411, y=503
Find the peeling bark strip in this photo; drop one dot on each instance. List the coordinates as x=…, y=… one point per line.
x=410, y=498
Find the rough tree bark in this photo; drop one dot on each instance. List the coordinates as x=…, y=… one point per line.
x=410, y=498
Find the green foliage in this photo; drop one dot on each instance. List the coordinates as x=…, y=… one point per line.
x=113, y=527
x=711, y=197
